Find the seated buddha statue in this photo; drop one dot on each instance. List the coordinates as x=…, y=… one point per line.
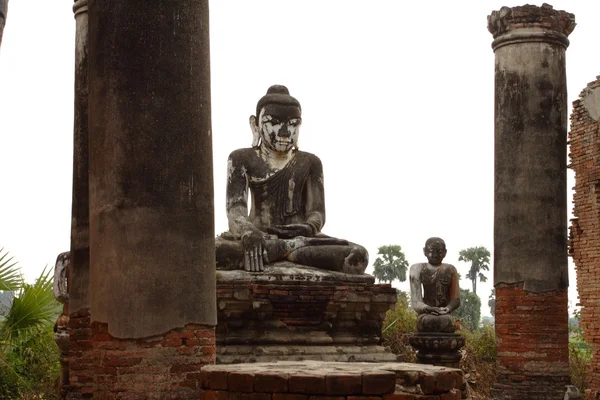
x=287, y=210
x=434, y=290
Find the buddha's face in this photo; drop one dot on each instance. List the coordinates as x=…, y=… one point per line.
x=279, y=127
x=435, y=253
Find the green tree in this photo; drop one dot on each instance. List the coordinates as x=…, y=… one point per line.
x=390, y=264
x=469, y=311
x=28, y=354
x=479, y=257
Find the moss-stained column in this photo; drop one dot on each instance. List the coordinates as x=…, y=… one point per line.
x=530, y=217
x=80, y=377
x=3, y=12
x=80, y=253
x=152, y=255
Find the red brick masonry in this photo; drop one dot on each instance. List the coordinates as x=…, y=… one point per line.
x=584, y=243
x=317, y=380
x=532, y=342
x=161, y=367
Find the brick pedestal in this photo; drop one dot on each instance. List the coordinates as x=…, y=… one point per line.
x=532, y=341
x=292, y=312
x=314, y=380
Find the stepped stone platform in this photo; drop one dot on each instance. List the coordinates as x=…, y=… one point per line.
x=318, y=380
x=291, y=312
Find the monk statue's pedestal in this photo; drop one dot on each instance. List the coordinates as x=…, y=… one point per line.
x=290, y=312
x=441, y=349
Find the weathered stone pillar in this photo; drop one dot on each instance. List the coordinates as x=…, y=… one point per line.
x=530, y=217
x=3, y=12
x=152, y=254
x=80, y=377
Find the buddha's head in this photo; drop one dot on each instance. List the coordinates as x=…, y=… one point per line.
x=277, y=120
x=435, y=250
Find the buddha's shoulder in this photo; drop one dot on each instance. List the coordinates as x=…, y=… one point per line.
x=240, y=154
x=309, y=156
x=449, y=267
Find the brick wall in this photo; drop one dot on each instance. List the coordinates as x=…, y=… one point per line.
x=166, y=366
x=532, y=343
x=81, y=362
x=584, y=238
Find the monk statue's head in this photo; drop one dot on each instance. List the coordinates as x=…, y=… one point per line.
x=435, y=250
x=276, y=124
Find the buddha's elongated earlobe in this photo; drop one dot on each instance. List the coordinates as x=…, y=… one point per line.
x=255, y=132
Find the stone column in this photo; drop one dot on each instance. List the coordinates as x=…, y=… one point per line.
x=3, y=12
x=152, y=254
x=530, y=216
x=78, y=306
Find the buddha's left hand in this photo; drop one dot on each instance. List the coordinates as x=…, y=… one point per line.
x=291, y=231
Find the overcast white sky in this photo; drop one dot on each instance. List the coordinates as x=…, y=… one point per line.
x=397, y=101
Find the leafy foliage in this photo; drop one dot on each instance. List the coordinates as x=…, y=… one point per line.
x=478, y=361
x=479, y=257
x=469, y=312
x=391, y=264
x=580, y=355
x=28, y=355
x=10, y=277
x=399, y=324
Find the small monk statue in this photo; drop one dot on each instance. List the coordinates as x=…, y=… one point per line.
x=287, y=198
x=434, y=290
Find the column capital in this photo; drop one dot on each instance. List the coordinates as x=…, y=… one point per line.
x=80, y=6
x=528, y=23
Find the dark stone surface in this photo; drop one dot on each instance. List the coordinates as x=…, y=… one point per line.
x=442, y=349
x=287, y=211
x=3, y=12
x=151, y=183
x=530, y=218
x=79, y=297
x=434, y=289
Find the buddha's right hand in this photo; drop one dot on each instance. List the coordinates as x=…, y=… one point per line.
x=255, y=253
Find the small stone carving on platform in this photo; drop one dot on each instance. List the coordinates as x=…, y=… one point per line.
x=61, y=335
x=435, y=294
x=288, y=204
x=61, y=332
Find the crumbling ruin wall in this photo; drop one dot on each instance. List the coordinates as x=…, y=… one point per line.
x=584, y=238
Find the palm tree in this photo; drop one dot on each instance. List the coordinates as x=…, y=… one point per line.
x=391, y=264
x=479, y=257
x=33, y=309
x=10, y=278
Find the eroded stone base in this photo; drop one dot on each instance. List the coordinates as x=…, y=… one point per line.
x=328, y=380
x=292, y=312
